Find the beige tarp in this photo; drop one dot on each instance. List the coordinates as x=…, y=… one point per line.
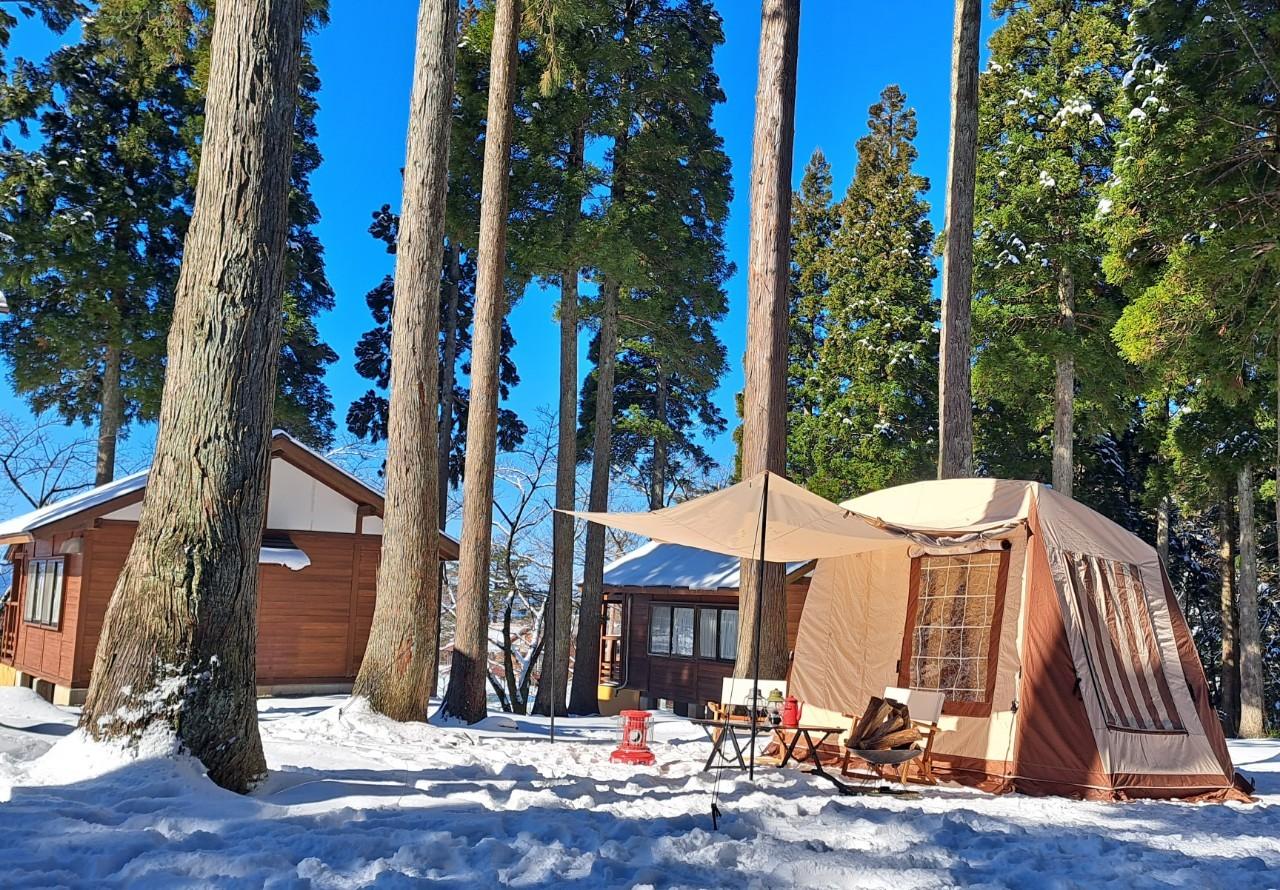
x=801, y=525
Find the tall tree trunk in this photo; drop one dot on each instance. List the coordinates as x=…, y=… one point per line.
x=179, y=638
x=110, y=415
x=583, y=698
x=399, y=664
x=553, y=681
x=658, y=474
x=1229, y=683
x=465, y=698
x=955, y=405
x=764, y=413
x=449, y=372
x=1252, y=694
x=1064, y=390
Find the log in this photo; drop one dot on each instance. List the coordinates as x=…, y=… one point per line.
x=883, y=726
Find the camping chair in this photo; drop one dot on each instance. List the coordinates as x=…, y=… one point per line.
x=922, y=712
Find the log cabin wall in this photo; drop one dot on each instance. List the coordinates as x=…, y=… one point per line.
x=43, y=650
x=690, y=680
x=311, y=629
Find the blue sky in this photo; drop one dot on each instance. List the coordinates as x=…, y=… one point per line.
x=848, y=52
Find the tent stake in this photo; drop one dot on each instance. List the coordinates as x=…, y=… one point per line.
x=755, y=642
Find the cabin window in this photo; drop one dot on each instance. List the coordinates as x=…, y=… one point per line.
x=613, y=619
x=952, y=620
x=728, y=634
x=682, y=631
x=44, y=592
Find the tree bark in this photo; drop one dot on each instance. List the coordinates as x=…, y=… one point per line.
x=658, y=474
x=553, y=681
x=465, y=698
x=1252, y=694
x=955, y=405
x=1064, y=390
x=1229, y=681
x=449, y=370
x=178, y=643
x=397, y=672
x=1162, y=530
x=583, y=697
x=764, y=425
x=110, y=416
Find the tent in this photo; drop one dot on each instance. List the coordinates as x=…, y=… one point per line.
x=1067, y=663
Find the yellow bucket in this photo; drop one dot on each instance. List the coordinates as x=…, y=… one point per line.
x=604, y=692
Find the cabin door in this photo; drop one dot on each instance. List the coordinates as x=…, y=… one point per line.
x=611, y=655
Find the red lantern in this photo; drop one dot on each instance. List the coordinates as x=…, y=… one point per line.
x=633, y=748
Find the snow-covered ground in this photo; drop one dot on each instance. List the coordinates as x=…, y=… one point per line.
x=355, y=800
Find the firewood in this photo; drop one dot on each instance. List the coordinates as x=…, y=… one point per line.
x=884, y=725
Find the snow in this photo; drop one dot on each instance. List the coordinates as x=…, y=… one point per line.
x=75, y=504
x=674, y=565
x=354, y=799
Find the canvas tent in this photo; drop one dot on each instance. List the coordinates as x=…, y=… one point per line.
x=1067, y=664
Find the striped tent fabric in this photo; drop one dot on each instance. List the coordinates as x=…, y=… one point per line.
x=1124, y=658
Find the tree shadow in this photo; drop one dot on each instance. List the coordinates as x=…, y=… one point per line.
x=160, y=823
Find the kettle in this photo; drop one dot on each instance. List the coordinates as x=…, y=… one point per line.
x=791, y=709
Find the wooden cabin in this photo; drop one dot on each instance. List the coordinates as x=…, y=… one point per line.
x=318, y=571
x=670, y=625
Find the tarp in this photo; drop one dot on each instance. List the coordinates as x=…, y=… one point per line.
x=800, y=526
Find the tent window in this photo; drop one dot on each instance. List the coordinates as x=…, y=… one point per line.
x=1126, y=668
x=952, y=624
x=44, y=592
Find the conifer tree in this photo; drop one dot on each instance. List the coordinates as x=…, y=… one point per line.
x=1043, y=312
x=1192, y=218
x=874, y=381
x=814, y=222
x=661, y=234
x=93, y=218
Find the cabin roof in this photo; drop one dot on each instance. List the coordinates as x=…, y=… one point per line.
x=657, y=564
x=87, y=505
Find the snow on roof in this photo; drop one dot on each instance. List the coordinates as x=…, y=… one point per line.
x=75, y=504
x=87, y=500
x=674, y=565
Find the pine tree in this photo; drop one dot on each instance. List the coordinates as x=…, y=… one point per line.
x=178, y=640
x=814, y=222
x=367, y=415
x=955, y=404
x=873, y=419
x=659, y=239
x=1049, y=101
x=1192, y=216
x=93, y=218
x=397, y=673
x=119, y=116
x=762, y=649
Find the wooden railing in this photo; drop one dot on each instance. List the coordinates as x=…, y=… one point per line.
x=9, y=631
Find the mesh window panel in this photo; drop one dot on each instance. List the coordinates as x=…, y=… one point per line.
x=951, y=639
x=1125, y=664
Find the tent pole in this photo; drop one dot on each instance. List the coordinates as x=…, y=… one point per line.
x=755, y=641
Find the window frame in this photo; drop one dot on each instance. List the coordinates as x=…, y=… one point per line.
x=949, y=706
x=698, y=609
x=34, y=607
